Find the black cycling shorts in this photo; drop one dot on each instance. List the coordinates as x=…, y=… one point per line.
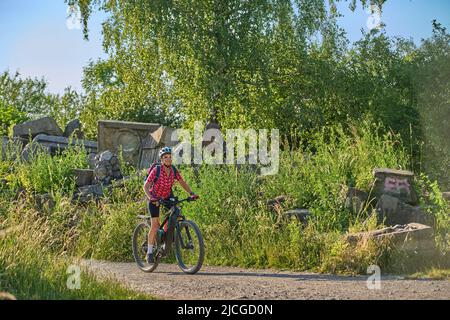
x=153, y=210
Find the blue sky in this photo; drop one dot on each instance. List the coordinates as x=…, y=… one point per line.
x=36, y=41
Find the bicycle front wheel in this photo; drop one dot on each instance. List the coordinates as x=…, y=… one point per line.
x=189, y=247
x=140, y=236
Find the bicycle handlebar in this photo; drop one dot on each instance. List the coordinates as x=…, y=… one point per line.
x=175, y=201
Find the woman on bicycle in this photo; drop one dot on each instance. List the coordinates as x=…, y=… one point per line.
x=160, y=188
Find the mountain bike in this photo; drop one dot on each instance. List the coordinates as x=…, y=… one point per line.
x=176, y=231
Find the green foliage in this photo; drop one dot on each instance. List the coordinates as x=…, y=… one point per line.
x=432, y=81
x=23, y=99
x=246, y=63
x=47, y=174
x=317, y=178
x=435, y=204
x=25, y=95
x=9, y=116
x=114, y=239
x=117, y=89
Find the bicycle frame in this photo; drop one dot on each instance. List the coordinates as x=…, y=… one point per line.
x=169, y=219
x=172, y=219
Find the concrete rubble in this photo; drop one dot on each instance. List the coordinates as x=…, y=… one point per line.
x=54, y=144
x=397, y=199
x=12, y=146
x=107, y=168
x=302, y=215
x=446, y=196
x=88, y=193
x=83, y=177
x=46, y=125
x=410, y=228
x=393, y=211
x=412, y=237
x=73, y=128
x=356, y=200
x=44, y=201
x=132, y=139
x=396, y=183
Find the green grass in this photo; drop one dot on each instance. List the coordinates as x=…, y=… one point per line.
x=46, y=279
x=432, y=274
x=30, y=269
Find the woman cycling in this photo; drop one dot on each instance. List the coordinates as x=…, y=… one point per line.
x=158, y=186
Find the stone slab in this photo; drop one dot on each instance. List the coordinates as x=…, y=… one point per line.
x=128, y=137
x=73, y=128
x=302, y=215
x=396, y=183
x=412, y=237
x=162, y=137
x=356, y=200
x=46, y=125
x=393, y=211
x=83, y=177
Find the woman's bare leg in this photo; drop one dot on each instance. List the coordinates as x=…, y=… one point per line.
x=153, y=230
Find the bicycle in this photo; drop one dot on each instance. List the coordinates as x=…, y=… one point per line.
x=174, y=229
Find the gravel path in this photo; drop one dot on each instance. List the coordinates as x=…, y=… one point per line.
x=168, y=282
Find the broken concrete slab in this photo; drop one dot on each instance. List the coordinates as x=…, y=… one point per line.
x=393, y=211
x=396, y=183
x=301, y=214
x=46, y=125
x=4, y=145
x=125, y=137
x=83, y=177
x=149, y=152
x=54, y=144
x=88, y=193
x=356, y=200
x=163, y=137
x=105, y=156
x=73, y=128
x=44, y=202
x=414, y=237
x=91, y=160
x=32, y=149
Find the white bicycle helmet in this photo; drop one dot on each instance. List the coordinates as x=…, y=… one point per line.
x=164, y=151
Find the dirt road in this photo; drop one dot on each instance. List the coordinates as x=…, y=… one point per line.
x=168, y=282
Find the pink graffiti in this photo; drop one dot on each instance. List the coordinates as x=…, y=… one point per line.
x=395, y=185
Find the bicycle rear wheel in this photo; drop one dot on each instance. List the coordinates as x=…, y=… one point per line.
x=189, y=247
x=140, y=245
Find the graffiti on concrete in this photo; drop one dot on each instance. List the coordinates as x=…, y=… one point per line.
x=397, y=185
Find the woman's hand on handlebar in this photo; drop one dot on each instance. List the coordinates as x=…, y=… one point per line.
x=193, y=196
